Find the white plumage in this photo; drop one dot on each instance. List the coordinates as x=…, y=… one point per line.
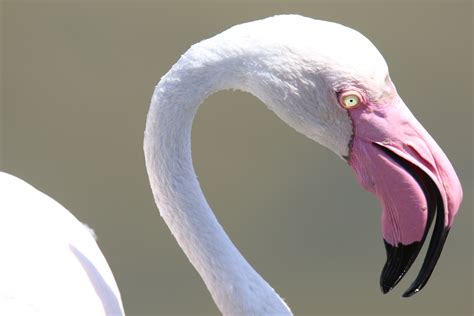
x=50, y=262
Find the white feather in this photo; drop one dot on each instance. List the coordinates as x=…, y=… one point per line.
x=50, y=263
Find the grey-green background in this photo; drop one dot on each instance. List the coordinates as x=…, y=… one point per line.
x=77, y=77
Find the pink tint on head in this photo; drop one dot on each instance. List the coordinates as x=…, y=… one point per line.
x=404, y=206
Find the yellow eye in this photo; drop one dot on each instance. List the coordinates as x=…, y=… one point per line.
x=350, y=101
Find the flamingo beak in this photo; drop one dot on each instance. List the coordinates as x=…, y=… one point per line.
x=396, y=159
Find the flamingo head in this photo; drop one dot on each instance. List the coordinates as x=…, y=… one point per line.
x=344, y=99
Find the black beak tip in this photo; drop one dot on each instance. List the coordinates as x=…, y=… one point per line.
x=385, y=288
x=388, y=279
x=410, y=292
x=399, y=260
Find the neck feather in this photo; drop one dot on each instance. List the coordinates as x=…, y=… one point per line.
x=235, y=286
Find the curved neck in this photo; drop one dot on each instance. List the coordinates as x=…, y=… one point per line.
x=234, y=285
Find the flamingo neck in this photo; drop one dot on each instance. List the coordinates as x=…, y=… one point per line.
x=235, y=286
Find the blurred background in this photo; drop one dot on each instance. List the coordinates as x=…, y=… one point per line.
x=77, y=77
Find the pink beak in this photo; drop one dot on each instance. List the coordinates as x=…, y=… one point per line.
x=395, y=158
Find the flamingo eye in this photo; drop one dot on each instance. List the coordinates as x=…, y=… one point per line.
x=350, y=101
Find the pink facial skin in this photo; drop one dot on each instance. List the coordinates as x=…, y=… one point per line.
x=404, y=205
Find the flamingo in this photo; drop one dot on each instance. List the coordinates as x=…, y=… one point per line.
x=323, y=79
x=331, y=84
